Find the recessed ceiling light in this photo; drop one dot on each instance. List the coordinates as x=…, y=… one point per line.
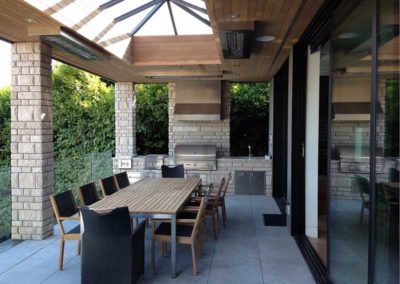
x=265, y=38
x=348, y=35
x=30, y=20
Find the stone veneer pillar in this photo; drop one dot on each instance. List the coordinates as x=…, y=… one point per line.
x=125, y=119
x=32, y=159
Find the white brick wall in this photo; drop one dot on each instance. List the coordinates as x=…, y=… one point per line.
x=125, y=119
x=32, y=161
x=207, y=132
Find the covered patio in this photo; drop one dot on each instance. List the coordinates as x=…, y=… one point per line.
x=330, y=142
x=246, y=252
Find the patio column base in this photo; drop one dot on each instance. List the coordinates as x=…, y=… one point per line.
x=32, y=158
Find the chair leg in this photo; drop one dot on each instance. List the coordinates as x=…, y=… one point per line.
x=214, y=227
x=79, y=247
x=194, y=260
x=362, y=214
x=205, y=229
x=224, y=210
x=162, y=248
x=152, y=252
x=223, y=216
x=200, y=245
x=61, y=259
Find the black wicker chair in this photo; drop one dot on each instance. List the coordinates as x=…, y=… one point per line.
x=108, y=186
x=121, y=180
x=88, y=194
x=173, y=172
x=111, y=252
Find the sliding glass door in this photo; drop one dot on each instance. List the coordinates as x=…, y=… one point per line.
x=350, y=193
x=387, y=143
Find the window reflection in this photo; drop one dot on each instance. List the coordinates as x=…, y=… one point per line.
x=350, y=143
x=387, y=121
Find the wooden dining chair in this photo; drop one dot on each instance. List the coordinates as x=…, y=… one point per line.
x=88, y=194
x=121, y=180
x=65, y=208
x=108, y=186
x=211, y=208
x=362, y=184
x=187, y=232
x=221, y=201
x=173, y=172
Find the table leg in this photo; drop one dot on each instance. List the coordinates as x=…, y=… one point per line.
x=173, y=246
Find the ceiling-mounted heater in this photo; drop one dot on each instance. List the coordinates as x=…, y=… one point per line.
x=73, y=45
x=236, y=44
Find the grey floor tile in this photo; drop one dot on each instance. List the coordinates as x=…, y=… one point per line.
x=245, y=252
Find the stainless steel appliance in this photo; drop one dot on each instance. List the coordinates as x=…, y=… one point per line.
x=196, y=156
x=355, y=159
x=153, y=162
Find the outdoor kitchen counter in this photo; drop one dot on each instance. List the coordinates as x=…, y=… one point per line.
x=224, y=166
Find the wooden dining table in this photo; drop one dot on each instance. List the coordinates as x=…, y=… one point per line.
x=159, y=198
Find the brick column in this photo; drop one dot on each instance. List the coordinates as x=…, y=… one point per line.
x=32, y=159
x=125, y=119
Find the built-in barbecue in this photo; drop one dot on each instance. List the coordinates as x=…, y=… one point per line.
x=196, y=156
x=354, y=159
x=153, y=162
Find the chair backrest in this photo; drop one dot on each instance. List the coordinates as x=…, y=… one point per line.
x=121, y=180
x=200, y=214
x=88, y=194
x=111, y=224
x=108, y=186
x=64, y=206
x=227, y=184
x=362, y=184
x=173, y=172
x=215, y=200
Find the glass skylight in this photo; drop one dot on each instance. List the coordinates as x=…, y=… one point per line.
x=102, y=20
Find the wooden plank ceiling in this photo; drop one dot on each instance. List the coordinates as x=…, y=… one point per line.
x=286, y=20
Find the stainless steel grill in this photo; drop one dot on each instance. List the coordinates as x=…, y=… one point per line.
x=153, y=162
x=196, y=156
x=356, y=159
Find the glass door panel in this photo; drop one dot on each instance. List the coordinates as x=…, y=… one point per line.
x=387, y=141
x=350, y=143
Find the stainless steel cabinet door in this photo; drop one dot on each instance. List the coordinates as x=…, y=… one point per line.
x=242, y=182
x=257, y=183
x=250, y=182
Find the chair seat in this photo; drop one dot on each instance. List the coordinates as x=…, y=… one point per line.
x=187, y=215
x=181, y=230
x=75, y=230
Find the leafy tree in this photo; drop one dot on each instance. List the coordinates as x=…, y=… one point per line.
x=249, y=118
x=392, y=118
x=83, y=108
x=152, y=118
x=5, y=126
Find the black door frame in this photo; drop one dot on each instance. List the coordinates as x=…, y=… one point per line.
x=279, y=148
x=317, y=34
x=319, y=31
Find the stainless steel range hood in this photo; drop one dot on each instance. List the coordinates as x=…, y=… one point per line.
x=198, y=100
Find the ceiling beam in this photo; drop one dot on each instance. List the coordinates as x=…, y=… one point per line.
x=109, y=4
x=187, y=10
x=189, y=5
x=138, y=10
x=172, y=17
x=145, y=19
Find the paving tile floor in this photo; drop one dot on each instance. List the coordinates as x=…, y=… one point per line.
x=245, y=252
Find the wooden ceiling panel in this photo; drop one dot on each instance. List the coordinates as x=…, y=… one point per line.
x=284, y=19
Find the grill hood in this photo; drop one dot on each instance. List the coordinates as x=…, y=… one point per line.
x=198, y=100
